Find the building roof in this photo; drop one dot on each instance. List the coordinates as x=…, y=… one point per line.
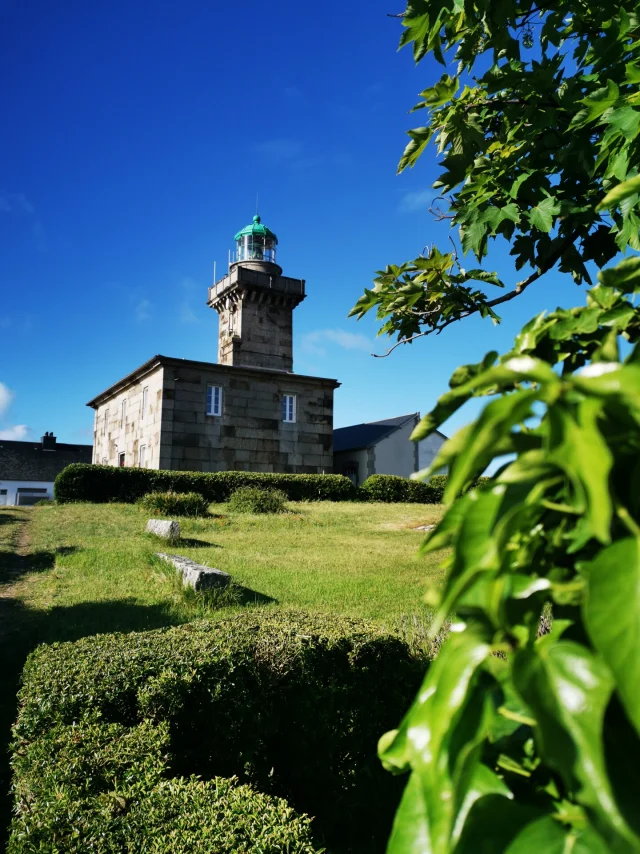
x=28, y=460
x=256, y=227
x=367, y=435
x=168, y=361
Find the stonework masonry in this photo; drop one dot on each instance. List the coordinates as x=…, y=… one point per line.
x=248, y=435
x=158, y=416
x=255, y=303
x=113, y=436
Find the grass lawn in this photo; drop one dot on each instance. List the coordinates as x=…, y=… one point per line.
x=79, y=569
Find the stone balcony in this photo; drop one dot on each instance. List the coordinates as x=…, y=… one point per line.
x=244, y=277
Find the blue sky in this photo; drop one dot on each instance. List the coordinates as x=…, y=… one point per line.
x=136, y=137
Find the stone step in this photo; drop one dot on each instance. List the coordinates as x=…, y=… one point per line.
x=168, y=530
x=195, y=575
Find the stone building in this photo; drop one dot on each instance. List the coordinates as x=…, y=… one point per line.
x=29, y=469
x=248, y=411
x=383, y=447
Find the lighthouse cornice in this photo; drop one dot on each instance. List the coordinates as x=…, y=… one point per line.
x=242, y=282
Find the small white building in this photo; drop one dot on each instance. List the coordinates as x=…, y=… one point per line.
x=28, y=469
x=383, y=447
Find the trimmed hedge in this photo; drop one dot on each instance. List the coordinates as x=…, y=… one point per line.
x=391, y=488
x=99, y=484
x=100, y=787
x=175, y=503
x=251, y=499
x=289, y=702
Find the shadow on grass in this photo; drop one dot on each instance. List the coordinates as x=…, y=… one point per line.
x=192, y=543
x=13, y=565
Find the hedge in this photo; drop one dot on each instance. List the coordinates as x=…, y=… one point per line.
x=252, y=499
x=392, y=488
x=291, y=703
x=99, y=787
x=175, y=503
x=99, y=484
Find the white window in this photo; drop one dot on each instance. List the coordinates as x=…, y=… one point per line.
x=106, y=422
x=289, y=407
x=123, y=414
x=141, y=455
x=214, y=400
x=145, y=399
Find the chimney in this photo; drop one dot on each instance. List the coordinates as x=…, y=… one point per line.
x=48, y=442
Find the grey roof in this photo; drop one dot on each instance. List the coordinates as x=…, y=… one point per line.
x=366, y=435
x=28, y=461
x=157, y=361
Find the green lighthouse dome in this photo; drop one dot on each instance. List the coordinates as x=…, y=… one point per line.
x=256, y=242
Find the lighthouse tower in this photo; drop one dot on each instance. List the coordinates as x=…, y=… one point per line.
x=255, y=304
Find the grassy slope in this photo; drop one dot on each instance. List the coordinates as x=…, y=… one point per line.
x=357, y=559
x=74, y=570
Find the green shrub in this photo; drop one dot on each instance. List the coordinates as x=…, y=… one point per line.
x=100, y=484
x=438, y=483
x=391, y=488
x=175, y=504
x=252, y=499
x=289, y=702
x=100, y=787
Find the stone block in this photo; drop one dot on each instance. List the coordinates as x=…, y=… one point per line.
x=196, y=575
x=168, y=530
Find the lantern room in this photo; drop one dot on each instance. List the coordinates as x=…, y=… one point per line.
x=256, y=242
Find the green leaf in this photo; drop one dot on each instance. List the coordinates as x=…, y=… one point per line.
x=410, y=832
x=625, y=276
x=600, y=101
x=443, y=91
x=612, y=616
x=484, y=276
x=619, y=193
x=438, y=738
x=494, y=823
x=578, y=448
x=567, y=689
x=541, y=216
x=494, y=422
x=420, y=138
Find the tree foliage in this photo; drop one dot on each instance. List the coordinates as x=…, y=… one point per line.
x=530, y=743
x=537, y=122
x=525, y=735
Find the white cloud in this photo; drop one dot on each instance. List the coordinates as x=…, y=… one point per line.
x=6, y=396
x=16, y=433
x=313, y=342
x=416, y=200
x=142, y=310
